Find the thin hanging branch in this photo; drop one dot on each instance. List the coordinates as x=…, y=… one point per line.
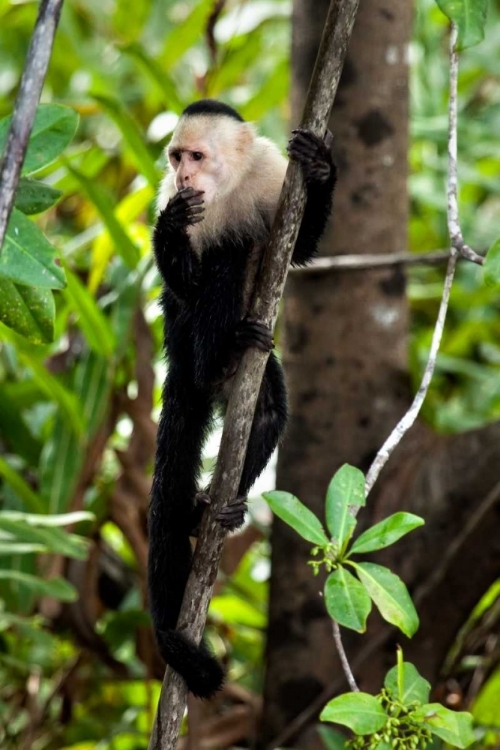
x=457, y=247
x=30, y=89
x=241, y=406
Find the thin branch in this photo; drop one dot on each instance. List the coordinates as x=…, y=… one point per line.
x=369, y=262
x=241, y=406
x=343, y=657
x=457, y=243
x=30, y=89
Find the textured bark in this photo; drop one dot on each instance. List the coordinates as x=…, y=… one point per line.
x=344, y=334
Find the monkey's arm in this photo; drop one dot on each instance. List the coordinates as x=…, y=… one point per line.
x=320, y=175
x=175, y=258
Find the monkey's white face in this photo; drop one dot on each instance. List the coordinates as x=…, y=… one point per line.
x=195, y=167
x=209, y=154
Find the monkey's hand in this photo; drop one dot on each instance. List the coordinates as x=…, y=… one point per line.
x=250, y=332
x=230, y=518
x=313, y=155
x=185, y=209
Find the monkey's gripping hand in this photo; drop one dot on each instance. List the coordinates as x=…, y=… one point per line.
x=175, y=258
x=313, y=155
x=320, y=175
x=184, y=209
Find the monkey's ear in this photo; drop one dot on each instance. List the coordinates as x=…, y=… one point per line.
x=246, y=137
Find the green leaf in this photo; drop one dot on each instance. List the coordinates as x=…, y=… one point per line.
x=28, y=310
x=470, y=18
x=54, y=519
x=124, y=246
x=454, y=727
x=94, y=324
x=30, y=499
x=491, y=267
x=53, y=128
x=27, y=255
x=386, y=532
x=132, y=136
x=345, y=489
x=413, y=687
x=8, y=548
x=52, y=538
x=360, y=712
x=56, y=587
x=289, y=508
x=33, y=197
x=390, y=595
x=346, y=600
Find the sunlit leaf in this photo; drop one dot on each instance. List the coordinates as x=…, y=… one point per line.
x=491, y=267
x=27, y=256
x=360, y=712
x=28, y=310
x=53, y=128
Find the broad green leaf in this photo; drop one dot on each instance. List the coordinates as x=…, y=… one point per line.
x=56, y=587
x=360, y=712
x=104, y=205
x=132, y=136
x=30, y=499
x=289, y=508
x=27, y=255
x=345, y=489
x=53, y=128
x=454, y=727
x=33, y=197
x=52, y=538
x=413, y=688
x=386, y=532
x=28, y=310
x=470, y=18
x=94, y=324
x=390, y=595
x=491, y=267
x=346, y=600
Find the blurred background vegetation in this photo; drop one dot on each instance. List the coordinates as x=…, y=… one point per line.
x=78, y=667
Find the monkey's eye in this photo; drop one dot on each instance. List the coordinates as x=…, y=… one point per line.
x=175, y=155
x=197, y=155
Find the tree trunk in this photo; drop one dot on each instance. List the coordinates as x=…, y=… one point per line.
x=344, y=333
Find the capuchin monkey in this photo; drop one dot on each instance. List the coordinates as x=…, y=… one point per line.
x=216, y=206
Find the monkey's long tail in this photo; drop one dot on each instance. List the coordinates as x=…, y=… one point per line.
x=169, y=564
x=181, y=431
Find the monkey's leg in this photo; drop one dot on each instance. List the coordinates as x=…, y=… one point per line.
x=268, y=425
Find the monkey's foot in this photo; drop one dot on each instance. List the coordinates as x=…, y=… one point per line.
x=312, y=153
x=184, y=209
x=250, y=332
x=233, y=515
x=201, y=501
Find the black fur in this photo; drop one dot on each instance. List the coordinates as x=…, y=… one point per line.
x=212, y=107
x=204, y=332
